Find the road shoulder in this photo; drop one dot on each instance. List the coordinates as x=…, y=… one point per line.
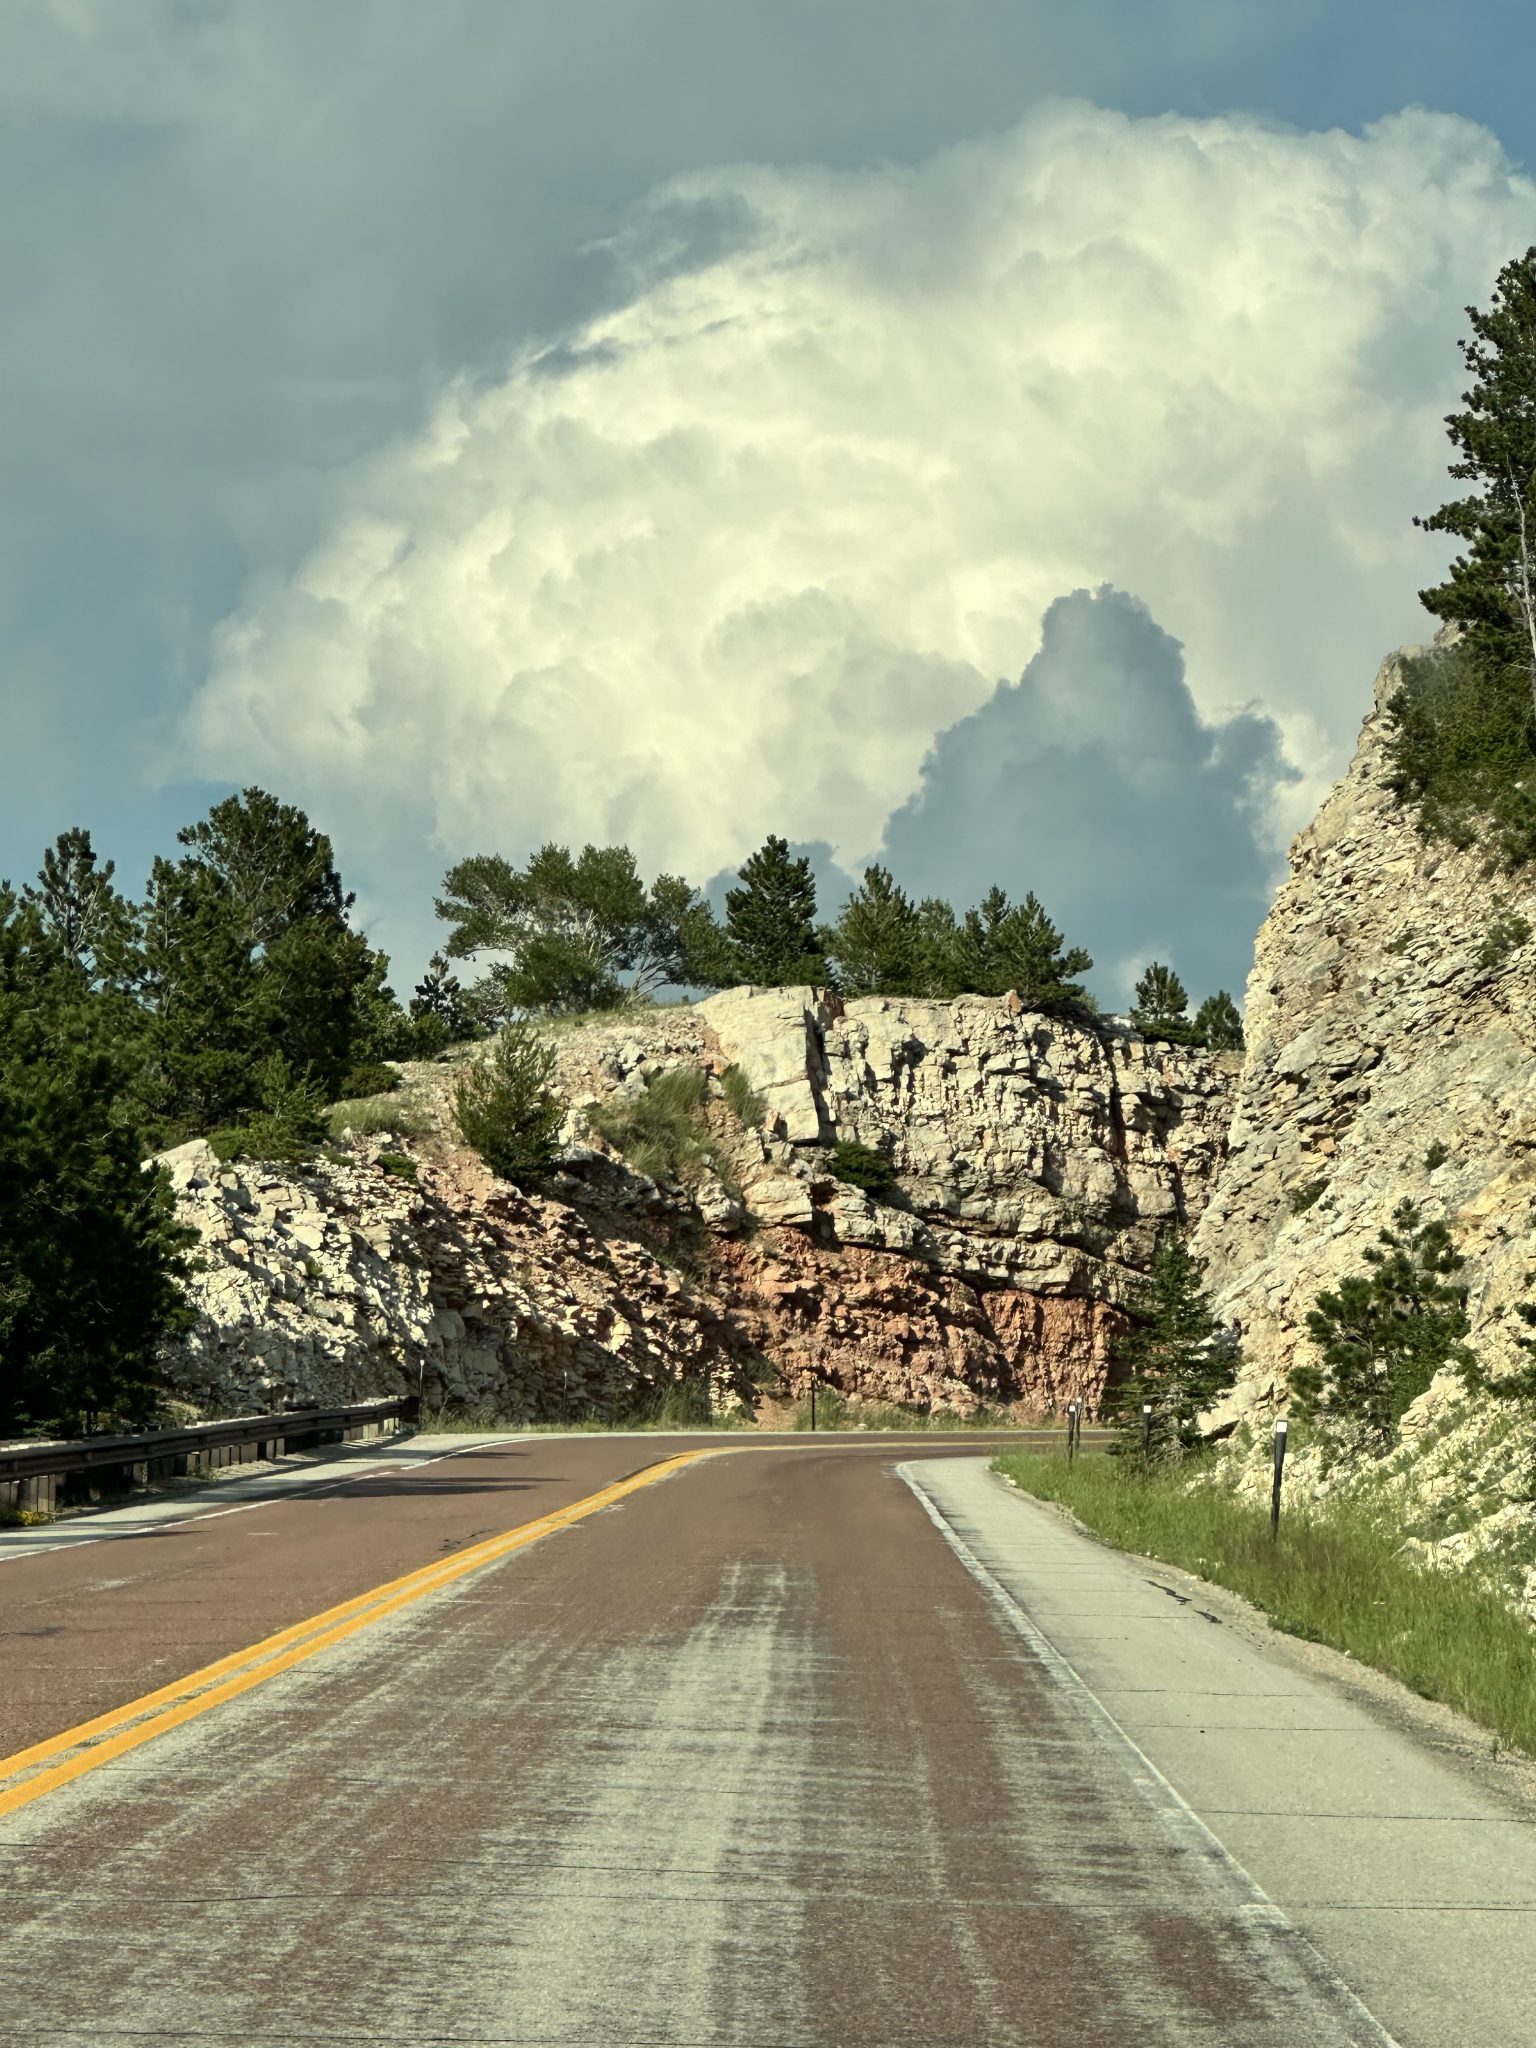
x=1411, y=1869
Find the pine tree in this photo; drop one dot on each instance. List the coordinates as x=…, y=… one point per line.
x=1218, y=1023
x=1002, y=946
x=1177, y=1357
x=1464, y=744
x=577, y=932
x=247, y=950
x=876, y=943
x=938, y=938
x=506, y=1109
x=440, y=1015
x=1382, y=1335
x=1491, y=589
x=1161, y=1008
x=770, y=920
x=81, y=911
x=91, y=1257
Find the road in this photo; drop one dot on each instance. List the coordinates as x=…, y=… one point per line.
x=604, y=1740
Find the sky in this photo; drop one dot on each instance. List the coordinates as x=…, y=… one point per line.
x=983, y=438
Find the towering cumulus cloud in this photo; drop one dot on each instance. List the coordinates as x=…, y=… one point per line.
x=725, y=560
x=1094, y=781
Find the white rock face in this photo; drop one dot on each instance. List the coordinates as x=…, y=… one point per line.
x=346, y=1280
x=1384, y=1030
x=1037, y=1161
x=1033, y=1151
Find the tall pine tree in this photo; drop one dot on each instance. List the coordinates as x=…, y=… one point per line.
x=1464, y=748
x=1177, y=1358
x=91, y=1258
x=877, y=941
x=770, y=921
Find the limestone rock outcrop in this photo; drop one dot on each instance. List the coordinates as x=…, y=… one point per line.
x=347, y=1280
x=1391, y=1054
x=1036, y=1161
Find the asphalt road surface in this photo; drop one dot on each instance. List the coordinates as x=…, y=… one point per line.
x=633, y=1741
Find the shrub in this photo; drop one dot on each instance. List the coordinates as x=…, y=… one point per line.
x=1437, y=1155
x=399, y=1164
x=285, y=1130
x=861, y=1166
x=1303, y=1197
x=372, y=1078
x=505, y=1109
x=745, y=1104
x=1507, y=931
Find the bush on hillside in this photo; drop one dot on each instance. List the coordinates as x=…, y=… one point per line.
x=506, y=1110
x=862, y=1166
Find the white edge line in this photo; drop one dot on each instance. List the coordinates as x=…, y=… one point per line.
x=1260, y=1907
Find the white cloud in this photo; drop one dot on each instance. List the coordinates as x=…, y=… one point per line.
x=726, y=561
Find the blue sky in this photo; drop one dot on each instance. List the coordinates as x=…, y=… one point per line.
x=675, y=420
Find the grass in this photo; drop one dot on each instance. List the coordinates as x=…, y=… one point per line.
x=1332, y=1577
x=369, y=1116
x=746, y=1105
x=672, y=1410
x=663, y=1131
x=835, y=1411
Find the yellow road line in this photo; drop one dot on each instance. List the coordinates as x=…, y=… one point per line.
x=31, y=1772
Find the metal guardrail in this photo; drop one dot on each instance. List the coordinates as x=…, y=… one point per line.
x=164, y=1453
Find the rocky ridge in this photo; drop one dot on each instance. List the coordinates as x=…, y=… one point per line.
x=1391, y=1053
x=1037, y=1159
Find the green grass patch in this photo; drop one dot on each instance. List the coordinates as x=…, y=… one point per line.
x=834, y=1410
x=374, y=1116
x=1332, y=1577
x=663, y=1131
x=746, y=1105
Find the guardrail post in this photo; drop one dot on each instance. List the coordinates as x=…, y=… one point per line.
x=1282, y=1430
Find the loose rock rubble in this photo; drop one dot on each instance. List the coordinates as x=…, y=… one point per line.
x=346, y=1280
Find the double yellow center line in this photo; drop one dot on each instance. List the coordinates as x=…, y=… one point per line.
x=62, y=1758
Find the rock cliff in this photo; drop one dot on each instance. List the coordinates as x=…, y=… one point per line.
x=1036, y=1161
x=1391, y=1053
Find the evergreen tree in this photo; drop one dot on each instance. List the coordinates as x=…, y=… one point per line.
x=1491, y=589
x=1162, y=1003
x=81, y=911
x=1382, y=1335
x=1218, y=1023
x=877, y=942
x=580, y=933
x=1002, y=946
x=246, y=950
x=440, y=1013
x=506, y=1109
x=91, y=1258
x=1464, y=745
x=1177, y=1358
x=938, y=938
x=770, y=920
